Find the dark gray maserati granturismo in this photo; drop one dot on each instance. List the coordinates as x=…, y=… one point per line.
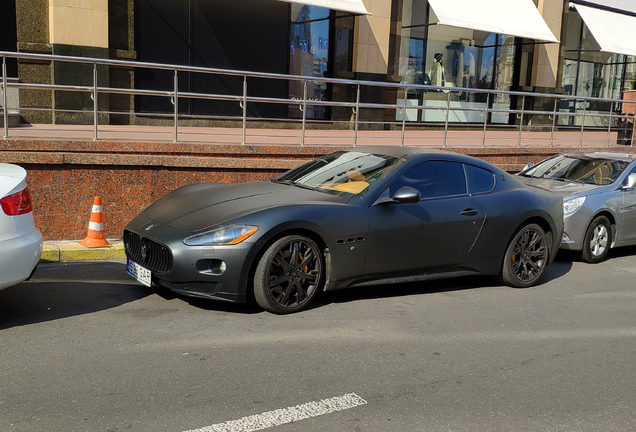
x=358, y=217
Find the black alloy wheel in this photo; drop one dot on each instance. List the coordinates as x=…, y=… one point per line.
x=289, y=275
x=526, y=257
x=597, y=241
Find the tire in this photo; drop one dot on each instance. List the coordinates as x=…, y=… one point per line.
x=289, y=275
x=597, y=241
x=526, y=257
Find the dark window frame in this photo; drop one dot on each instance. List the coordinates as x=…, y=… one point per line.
x=468, y=183
x=430, y=198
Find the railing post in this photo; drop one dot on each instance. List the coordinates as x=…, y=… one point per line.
x=483, y=138
x=609, y=126
x=5, y=112
x=244, y=106
x=631, y=142
x=582, y=124
x=356, y=116
x=176, y=105
x=554, y=115
x=523, y=108
x=406, y=94
x=95, y=103
x=446, y=121
x=302, y=143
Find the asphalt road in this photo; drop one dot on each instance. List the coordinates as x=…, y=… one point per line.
x=85, y=348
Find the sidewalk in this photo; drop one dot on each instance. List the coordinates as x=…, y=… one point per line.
x=327, y=137
x=66, y=251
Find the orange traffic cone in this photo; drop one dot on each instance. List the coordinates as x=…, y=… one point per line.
x=95, y=237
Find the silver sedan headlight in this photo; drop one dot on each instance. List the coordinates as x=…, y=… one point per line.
x=571, y=206
x=228, y=235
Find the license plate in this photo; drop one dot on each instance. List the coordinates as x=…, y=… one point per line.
x=140, y=273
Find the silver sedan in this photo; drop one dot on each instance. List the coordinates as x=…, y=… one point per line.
x=599, y=199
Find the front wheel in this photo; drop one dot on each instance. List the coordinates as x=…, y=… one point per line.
x=526, y=257
x=289, y=275
x=597, y=241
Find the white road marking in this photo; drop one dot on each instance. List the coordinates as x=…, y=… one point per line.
x=286, y=415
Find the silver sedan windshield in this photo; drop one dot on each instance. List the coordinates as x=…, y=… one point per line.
x=597, y=171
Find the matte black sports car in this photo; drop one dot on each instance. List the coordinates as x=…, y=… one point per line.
x=363, y=216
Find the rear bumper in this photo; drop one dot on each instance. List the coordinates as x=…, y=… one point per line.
x=18, y=257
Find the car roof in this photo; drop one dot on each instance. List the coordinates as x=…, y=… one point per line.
x=396, y=151
x=625, y=157
x=409, y=153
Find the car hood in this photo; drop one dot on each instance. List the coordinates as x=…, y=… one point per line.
x=198, y=207
x=563, y=188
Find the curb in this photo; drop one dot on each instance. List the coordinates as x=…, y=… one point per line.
x=73, y=251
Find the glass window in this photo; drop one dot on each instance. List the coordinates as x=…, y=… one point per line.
x=479, y=180
x=589, y=72
x=345, y=173
x=433, y=179
x=343, y=43
x=442, y=56
x=414, y=20
x=582, y=169
x=630, y=74
x=308, y=56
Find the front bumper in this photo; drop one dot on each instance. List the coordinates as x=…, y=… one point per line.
x=213, y=272
x=575, y=227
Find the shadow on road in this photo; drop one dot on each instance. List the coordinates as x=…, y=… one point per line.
x=61, y=290
x=211, y=305
x=555, y=270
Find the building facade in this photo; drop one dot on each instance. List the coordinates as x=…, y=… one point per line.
x=541, y=46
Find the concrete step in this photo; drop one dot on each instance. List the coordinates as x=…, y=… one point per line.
x=14, y=119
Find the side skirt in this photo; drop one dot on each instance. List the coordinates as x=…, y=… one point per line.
x=416, y=278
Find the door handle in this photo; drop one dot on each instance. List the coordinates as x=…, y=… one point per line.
x=469, y=212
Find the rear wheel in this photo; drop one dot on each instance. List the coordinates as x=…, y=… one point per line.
x=526, y=257
x=597, y=240
x=289, y=275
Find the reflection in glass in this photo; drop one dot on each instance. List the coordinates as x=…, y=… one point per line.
x=583, y=169
x=590, y=72
x=308, y=56
x=446, y=56
x=344, y=173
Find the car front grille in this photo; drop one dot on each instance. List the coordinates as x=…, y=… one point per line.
x=152, y=255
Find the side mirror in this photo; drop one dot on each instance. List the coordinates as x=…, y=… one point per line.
x=528, y=166
x=407, y=194
x=631, y=182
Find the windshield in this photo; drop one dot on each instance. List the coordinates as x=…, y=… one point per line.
x=344, y=173
x=583, y=169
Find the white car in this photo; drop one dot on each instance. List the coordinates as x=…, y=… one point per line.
x=20, y=240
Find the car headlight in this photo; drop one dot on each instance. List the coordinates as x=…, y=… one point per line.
x=571, y=206
x=229, y=235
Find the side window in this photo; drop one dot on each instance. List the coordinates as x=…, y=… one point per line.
x=479, y=180
x=433, y=179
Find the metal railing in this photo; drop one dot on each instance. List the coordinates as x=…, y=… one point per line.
x=449, y=101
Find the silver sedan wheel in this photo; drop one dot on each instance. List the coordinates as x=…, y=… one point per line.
x=598, y=242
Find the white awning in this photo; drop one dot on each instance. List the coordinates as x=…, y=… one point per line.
x=519, y=18
x=614, y=32
x=353, y=6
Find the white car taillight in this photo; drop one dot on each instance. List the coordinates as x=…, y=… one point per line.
x=17, y=204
